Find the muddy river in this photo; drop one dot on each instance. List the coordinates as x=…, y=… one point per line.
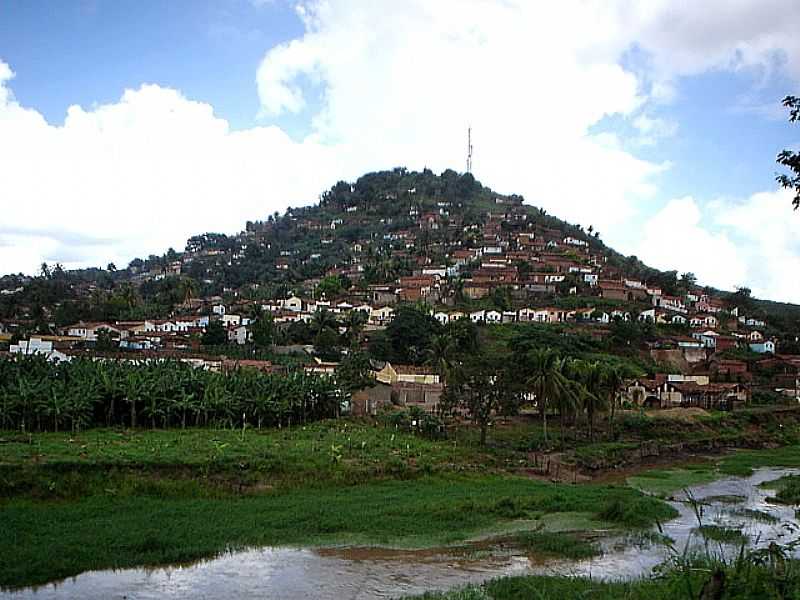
x=362, y=573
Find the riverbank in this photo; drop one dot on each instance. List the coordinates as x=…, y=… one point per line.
x=113, y=499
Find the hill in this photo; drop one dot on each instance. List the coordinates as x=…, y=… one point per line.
x=446, y=239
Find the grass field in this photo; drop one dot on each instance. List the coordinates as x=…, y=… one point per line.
x=107, y=498
x=114, y=498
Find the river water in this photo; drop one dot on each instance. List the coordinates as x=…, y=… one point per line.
x=365, y=573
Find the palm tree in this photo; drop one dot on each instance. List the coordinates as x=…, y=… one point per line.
x=548, y=382
x=590, y=390
x=440, y=355
x=323, y=319
x=613, y=379
x=354, y=322
x=188, y=289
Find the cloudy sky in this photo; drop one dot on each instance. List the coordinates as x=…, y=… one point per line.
x=127, y=126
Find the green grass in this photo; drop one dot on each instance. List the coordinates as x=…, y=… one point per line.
x=113, y=499
x=723, y=499
x=740, y=583
x=743, y=462
x=46, y=540
x=788, y=489
x=663, y=482
x=559, y=545
x=723, y=535
x=755, y=515
x=347, y=451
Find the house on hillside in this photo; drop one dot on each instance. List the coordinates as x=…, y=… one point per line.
x=765, y=347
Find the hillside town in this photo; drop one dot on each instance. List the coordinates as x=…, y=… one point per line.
x=444, y=244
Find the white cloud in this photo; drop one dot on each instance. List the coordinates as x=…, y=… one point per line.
x=141, y=174
x=727, y=243
x=398, y=83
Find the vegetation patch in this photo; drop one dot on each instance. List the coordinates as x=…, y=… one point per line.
x=723, y=535
x=723, y=499
x=787, y=489
x=159, y=525
x=663, y=482
x=755, y=515
x=743, y=462
x=559, y=545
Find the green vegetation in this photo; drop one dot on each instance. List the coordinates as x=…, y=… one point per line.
x=663, y=482
x=723, y=499
x=561, y=545
x=723, y=535
x=753, y=576
x=756, y=515
x=788, y=489
x=114, y=498
x=37, y=395
x=743, y=462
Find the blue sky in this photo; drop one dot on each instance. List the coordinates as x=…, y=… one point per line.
x=89, y=51
x=639, y=120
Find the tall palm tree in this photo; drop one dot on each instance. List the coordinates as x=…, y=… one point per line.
x=440, y=355
x=323, y=319
x=612, y=382
x=589, y=389
x=188, y=289
x=548, y=382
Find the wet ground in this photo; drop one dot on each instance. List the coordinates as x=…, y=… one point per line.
x=362, y=573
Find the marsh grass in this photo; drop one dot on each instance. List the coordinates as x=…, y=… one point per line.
x=561, y=545
x=723, y=535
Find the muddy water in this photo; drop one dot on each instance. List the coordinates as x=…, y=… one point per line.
x=358, y=573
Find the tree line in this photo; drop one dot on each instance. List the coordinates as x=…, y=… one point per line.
x=37, y=395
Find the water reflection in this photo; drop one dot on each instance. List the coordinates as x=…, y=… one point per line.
x=362, y=573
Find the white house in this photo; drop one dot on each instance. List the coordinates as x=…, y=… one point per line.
x=294, y=304
x=479, y=316
x=38, y=346
x=707, y=338
x=765, y=347
x=442, y=317
x=231, y=320
x=218, y=309
x=381, y=316
x=238, y=335
x=493, y=316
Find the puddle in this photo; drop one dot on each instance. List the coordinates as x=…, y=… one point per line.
x=364, y=573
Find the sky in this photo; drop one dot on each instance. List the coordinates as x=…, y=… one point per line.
x=126, y=127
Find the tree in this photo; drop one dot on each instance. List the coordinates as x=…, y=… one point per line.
x=742, y=298
x=612, y=380
x=187, y=288
x=326, y=344
x=409, y=334
x=263, y=331
x=105, y=342
x=482, y=389
x=547, y=381
x=440, y=354
x=688, y=280
x=322, y=319
x=214, y=335
x=589, y=391
x=330, y=286
x=789, y=158
x=354, y=373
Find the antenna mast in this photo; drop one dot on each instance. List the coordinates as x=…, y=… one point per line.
x=469, y=149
